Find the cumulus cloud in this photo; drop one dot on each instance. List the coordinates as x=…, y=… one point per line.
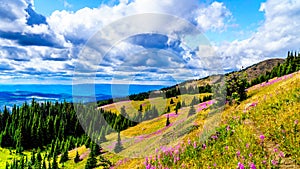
x=85, y=22
x=277, y=34
x=214, y=17
x=32, y=44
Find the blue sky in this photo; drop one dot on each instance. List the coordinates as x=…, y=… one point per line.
x=43, y=41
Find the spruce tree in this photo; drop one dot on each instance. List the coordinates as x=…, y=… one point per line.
x=91, y=161
x=168, y=109
x=44, y=164
x=176, y=110
x=118, y=148
x=54, y=162
x=102, y=135
x=76, y=159
x=171, y=101
x=168, y=121
x=192, y=111
x=64, y=157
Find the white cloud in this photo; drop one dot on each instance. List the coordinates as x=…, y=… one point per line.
x=213, y=17
x=13, y=15
x=85, y=22
x=72, y=29
x=262, y=7
x=278, y=34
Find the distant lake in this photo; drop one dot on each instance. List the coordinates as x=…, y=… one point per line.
x=18, y=94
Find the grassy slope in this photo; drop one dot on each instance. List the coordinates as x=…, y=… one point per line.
x=160, y=103
x=274, y=116
x=6, y=155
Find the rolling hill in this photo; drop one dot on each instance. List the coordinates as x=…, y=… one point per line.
x=260, y=132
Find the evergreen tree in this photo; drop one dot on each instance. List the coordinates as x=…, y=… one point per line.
x=92, y=161
x=176, y=110
x=168, y=109
x=118, y=147
x=141, y=108
x=171, y=101
x=168, y=121
x=44, y=164
x=183, y=104
x=192, y=111
x=54, y=162
x=64, y=157
x=236, y=87
x=76, y=159
x=102, y=135
x=123, y=112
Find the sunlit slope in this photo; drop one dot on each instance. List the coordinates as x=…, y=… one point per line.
x=262, y=131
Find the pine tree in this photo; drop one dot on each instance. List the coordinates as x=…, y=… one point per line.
x=192, y=111
x=141, y=108
x=118, y=148
x=92, y=161
x=44, y=164
x=76, y=159
x=96, y=149
x=123, y=112
x=236, y=87
x=64, y=157
x=54, y=162
x=171, y=101
x=168, y=121
x=168, y=109
x=183, y=104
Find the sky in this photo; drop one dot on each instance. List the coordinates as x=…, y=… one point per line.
x=140, y=41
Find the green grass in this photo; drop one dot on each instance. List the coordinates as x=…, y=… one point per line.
x=274, y=116
x=7, y=155
x=160, y=103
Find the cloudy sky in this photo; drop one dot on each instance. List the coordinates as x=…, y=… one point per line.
x=140, y=41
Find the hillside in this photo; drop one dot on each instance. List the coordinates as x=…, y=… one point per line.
x=262, y=131
x=261, y=68
x=173, y=131
x=194, y=86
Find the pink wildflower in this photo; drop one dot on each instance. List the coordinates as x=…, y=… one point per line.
x=274, y=162
x=262, y=137
x=250, y=155
x=240, y=166
x=214, y=137
x=252, y=166
x=281, y=154
x=228, y=128
x=247, y=145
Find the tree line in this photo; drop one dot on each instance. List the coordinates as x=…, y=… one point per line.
x=290, y=65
